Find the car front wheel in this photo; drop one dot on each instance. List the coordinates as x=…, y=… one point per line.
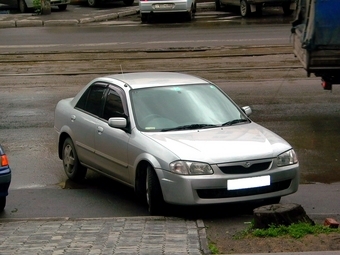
x=73, y=169
x=154, y=195
x=244, y=8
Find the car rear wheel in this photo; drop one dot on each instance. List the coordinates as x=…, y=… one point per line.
x=2, y=203
x=22, y=6
x=244, y=8
x=154, y=195
x=62, y=7
x=73, y=169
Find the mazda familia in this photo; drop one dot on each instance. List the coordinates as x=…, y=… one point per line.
x=175, y=139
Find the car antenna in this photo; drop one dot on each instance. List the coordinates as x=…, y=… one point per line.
x=121, y=69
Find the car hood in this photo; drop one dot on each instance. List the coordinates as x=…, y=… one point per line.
x=225, y=144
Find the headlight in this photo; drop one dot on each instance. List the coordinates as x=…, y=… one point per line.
x=287, y=158
x=190, y=168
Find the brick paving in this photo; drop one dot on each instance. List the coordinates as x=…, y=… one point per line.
x=135, y=235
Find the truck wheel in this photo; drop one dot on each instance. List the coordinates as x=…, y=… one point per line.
x=73, y=169
x=154, y=195
x=244, y=8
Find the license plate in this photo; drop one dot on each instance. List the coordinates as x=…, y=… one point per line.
x=163, y=6
x=247, y=183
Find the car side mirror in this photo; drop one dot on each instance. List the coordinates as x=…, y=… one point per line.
x=247, y=110
x=118, y=122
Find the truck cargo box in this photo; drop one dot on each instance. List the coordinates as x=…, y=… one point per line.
x=316, y=38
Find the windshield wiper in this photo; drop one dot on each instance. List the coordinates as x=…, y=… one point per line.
x=233, y=122
x=189, y=127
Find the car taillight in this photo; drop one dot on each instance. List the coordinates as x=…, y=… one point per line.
x=4, y=160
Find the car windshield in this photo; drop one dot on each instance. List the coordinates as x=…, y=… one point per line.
x=162, y=109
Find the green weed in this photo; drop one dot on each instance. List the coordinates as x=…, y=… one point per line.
x=297, y=230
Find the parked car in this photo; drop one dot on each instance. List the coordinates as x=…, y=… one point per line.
x=175, y=139
x=250, y=6
x=5, y=178
x=24, y=5
x=151, y=7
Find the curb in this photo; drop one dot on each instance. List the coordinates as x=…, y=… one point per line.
x=69, y=22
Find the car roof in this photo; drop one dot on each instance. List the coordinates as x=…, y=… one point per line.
x=156, y=79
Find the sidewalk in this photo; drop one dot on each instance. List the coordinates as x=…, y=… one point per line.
x=134, y=235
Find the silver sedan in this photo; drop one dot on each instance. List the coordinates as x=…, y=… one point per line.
x=175, y=139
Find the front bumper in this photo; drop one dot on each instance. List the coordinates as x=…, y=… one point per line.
x=213, y=189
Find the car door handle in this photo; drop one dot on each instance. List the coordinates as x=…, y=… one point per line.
x=100, y=129
x=73, y=118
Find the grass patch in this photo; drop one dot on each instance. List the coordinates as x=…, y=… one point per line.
x=297, y=230
x=213, y=248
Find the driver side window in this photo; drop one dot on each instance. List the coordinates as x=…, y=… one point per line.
x=113, y=105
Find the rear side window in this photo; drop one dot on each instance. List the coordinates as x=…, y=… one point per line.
x=91, y=101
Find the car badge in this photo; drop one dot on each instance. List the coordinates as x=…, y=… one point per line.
x=247, y=165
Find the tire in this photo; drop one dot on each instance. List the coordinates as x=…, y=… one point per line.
x=128, y=2
x=154, y=195
x=190, y=14
x=144, y=17
x=93, y=3
x=218, y=5
x=244, y=8
x=62, y=7
x=286, y=9
x=72, y=167
x=22, y=6
x=2, y=203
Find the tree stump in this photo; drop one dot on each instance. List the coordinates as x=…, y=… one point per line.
x=279, y=214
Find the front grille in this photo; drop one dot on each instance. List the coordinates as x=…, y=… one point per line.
x=240, y=169
x=224, y=193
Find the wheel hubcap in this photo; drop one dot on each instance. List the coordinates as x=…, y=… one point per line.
x=68, y=159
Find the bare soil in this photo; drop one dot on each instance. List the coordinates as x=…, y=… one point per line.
x=223, y=235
